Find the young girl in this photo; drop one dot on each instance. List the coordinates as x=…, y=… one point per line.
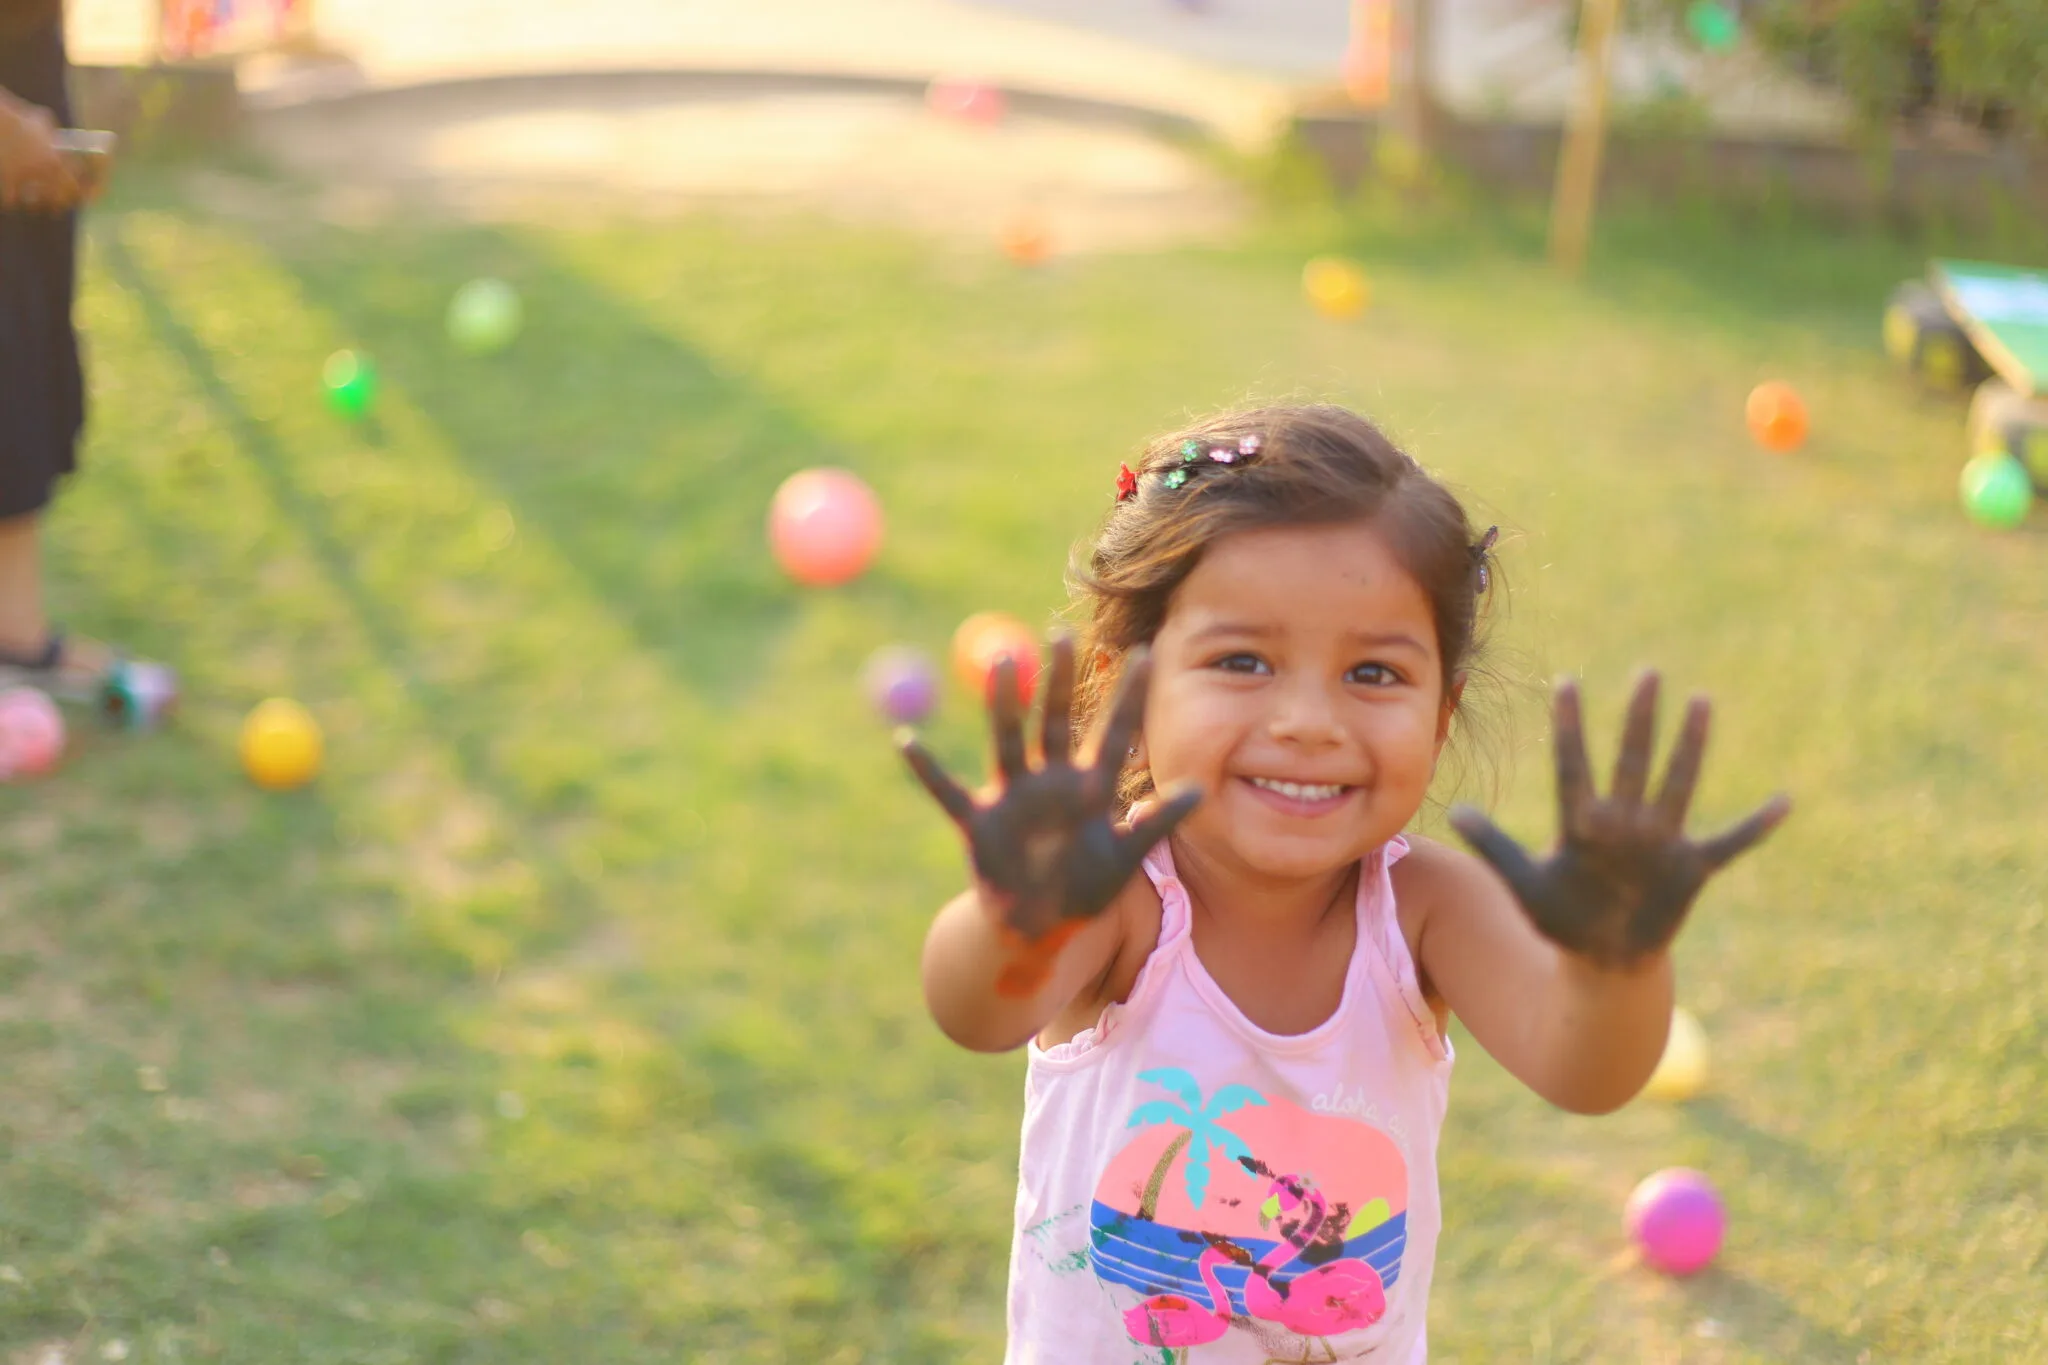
x=1232, y=970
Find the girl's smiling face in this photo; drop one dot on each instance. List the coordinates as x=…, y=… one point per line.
x=1296, y=679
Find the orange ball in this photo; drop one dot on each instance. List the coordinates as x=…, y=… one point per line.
x=985, y=637
x=1777, y=416
x=824, y=526
x=1026, y=240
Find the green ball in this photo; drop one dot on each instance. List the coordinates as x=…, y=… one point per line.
x=350, y=383
x=1714, y=26
x=1996, y=491
x=484, y=316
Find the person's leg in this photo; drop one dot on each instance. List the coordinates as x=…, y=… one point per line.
x=24, y=628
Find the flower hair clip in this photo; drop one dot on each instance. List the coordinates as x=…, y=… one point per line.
x=1481, y=551
x=1192, y=453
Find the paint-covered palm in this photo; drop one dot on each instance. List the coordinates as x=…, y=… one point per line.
x=1624, y=874
x=1045, y=842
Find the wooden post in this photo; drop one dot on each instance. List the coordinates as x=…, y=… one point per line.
x=1585, y=135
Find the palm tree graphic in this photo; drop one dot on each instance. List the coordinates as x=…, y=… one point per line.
x=1203, y=1132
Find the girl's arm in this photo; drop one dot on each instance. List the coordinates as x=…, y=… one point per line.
x=973, y=985
x=1055, y=874
x=1562, y=969
x=1583, y=1036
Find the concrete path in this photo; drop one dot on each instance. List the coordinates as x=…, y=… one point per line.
x=1236, y=66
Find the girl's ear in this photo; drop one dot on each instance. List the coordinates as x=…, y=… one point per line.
x=1454, y=694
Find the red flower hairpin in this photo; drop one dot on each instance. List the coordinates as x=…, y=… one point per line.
x=1126, y=483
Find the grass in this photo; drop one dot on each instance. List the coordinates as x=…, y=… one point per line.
x=572, y=1014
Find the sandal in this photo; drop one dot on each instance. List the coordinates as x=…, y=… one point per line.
x=132, y=693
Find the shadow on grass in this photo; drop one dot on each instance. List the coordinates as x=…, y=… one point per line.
x=649, y=472
x=632, y=453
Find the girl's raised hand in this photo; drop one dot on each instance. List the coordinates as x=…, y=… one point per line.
x=1623, y=875
x=1046, y=848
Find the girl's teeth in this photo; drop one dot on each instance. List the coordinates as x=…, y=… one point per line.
x=1296, y=791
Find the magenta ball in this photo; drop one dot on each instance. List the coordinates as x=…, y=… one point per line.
x=31, y=733
x=902, y=683
x=824, y=526
x=970, y=101
x=1676, y=1218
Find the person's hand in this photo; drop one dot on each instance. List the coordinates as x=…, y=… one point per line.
x=32, y=171
x=1623, y=875
x=1047, y=853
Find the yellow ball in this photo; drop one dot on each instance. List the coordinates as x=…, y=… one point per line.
x=1682, y=1072
x=1336, y=287
x=281, y=745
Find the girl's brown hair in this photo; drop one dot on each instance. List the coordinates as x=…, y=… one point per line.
x=1306, y=466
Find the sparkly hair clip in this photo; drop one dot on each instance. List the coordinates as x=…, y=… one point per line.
x=1480, y=553
x=1192, y=453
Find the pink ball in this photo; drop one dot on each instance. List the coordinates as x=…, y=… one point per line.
x=970, y=101
x=31, y=733
x=824, y=526
x=1677, y=1220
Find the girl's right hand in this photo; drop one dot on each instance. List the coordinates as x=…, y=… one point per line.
x=32, y=171
x=1047, y=851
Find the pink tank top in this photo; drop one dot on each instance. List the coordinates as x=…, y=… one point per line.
x=1190, y=1181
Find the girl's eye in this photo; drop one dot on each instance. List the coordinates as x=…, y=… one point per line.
x=1241, y=663
x=1373, y=675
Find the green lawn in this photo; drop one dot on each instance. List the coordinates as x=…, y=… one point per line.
x=572, y=1015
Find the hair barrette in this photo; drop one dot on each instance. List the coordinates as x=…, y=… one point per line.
x=1480, y=552
x=1126, y=483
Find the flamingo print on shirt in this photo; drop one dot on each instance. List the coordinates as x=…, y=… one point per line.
x=1239, y=1212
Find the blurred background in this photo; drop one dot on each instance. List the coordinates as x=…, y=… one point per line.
x=445, y=360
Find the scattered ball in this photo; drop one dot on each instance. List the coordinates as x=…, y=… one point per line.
x=1777, y=416
x=1714, y=25
x=1996, y=490
x=968, y=101
x=281, y=745
x=987, y=636
x=824, y=526
x=1682, y=1071
x=902, y=683
x=350, y=383
x=1026, y=239
x=1676, y=1220
x=31, y=734
x=484, y=316
x=1336, y=287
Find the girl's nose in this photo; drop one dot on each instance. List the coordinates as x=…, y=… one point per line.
x=1304, y=716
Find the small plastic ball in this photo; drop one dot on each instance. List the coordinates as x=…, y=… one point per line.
x=281, y=745
x=902, y=683
x=1677, y=1221
x=824, y=526
x=351, y=384
x=1714, y=26
x=1026, y=240
x=1682, y=1071
x=1996, y=490
x=484, y=316
x=986, y=637
x=1336, y=287
x=968, y=101
x=1777, y=416
x=31, y=734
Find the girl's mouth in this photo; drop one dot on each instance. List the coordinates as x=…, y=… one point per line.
x=1299, y=798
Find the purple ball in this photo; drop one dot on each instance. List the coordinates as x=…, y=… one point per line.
x=902, y=683
x=1677, y=1219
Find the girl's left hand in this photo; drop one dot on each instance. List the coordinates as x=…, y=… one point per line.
x=1623, y=875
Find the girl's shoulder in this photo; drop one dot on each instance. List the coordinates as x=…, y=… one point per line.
x=1137, y=914
x=1432, y=873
